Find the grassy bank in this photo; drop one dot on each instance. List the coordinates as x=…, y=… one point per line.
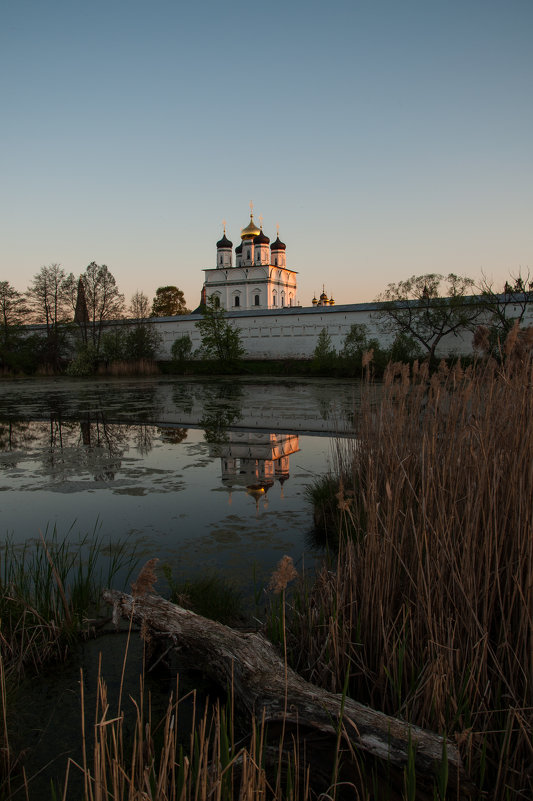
x=429, y=606
x=49, y=598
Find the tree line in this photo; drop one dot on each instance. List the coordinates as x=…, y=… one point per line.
x=75, y=314
x=421, y=311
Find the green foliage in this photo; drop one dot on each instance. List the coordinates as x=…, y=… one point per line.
x=22, y=354
x=124, y=343
x=84, y=363
x=141, y=342
x=404, y=349
x=357, y=348
x=221, y=341
x=47, y=589
x=113, y=345
x=168, y=302
x=211, y=596
x=181, y=349
x=324, y=355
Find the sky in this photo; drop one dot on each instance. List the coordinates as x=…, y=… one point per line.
x=386, y=138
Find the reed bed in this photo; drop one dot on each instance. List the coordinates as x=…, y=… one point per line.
x=140, y=759
x=429, y=607
x=131, y=367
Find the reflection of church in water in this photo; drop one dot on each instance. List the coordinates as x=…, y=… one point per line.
x=255, y=460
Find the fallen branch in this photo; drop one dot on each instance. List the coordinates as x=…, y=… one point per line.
x=261, y=682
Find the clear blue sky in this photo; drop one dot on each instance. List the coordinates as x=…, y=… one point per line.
x=386, y=138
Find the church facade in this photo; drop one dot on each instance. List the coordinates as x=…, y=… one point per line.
x=260, y=278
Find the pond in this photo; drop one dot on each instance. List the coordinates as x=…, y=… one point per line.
x=204, y=475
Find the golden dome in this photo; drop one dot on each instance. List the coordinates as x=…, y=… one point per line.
x=251, y=229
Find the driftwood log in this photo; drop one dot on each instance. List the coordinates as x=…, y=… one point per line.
x=262, y=684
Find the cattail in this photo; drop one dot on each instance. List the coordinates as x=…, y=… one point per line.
x=480, y=340
x=511, y=339
x=145, y=580
x=368, y=357
x=284, y=573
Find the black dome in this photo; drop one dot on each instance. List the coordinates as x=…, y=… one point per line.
x=278, y=245
x=238, y=249
x=261, y=239
x=224, y=242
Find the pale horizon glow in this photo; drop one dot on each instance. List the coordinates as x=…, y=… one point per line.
x=385, y=139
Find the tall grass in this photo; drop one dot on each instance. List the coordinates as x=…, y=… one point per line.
x=49, y=596
x=48, y=590
x=156, y=760
x=132, y=367
x=430, y=604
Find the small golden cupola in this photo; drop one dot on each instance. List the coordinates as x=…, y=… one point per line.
x=251, y=230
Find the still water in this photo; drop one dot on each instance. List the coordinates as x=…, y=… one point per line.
x=205, y=475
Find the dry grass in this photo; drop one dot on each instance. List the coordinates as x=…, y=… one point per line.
x=430, y=606
x=134, y=367
x=157, y=763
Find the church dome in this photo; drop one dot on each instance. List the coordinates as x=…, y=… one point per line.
x=278, y=244
x=224, y=242
x=238, y=249
x=251, y=229
x=261, y=239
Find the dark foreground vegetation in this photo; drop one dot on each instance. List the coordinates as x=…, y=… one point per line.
x=423, y=610
x=427, y=611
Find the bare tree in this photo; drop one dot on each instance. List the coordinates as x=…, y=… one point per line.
x=103, y=301
x=503, y=309
x=429, y=308
x=13, y=311
x=139, y=306
x=48, y=297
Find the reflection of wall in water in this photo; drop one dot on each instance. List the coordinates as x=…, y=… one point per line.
x=256, y=460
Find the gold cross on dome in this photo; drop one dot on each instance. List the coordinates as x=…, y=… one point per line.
x=260, y=221
x=224, y=224
x=251, y=207
x=277, y=229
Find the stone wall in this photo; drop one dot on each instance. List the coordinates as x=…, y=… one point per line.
x=292, y=333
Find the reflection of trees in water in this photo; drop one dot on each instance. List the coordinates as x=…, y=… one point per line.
x=143, y=436
x=183, y=398
x=335, y=406
x=14, y=436
x=98, y=448
x=222, y=408
x=173, y=435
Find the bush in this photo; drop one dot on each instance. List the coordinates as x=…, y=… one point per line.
x=181, y=350
x=324, y=355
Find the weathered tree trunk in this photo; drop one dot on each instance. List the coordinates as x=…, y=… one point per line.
x=262, y=683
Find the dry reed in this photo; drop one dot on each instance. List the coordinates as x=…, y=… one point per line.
x=430, y=606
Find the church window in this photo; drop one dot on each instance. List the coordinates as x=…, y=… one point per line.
x=221, y=259
x=276, y=261
x=216, y=301
x=274, y=300
x=256, y=300
x=237, y=300
x=247, y=254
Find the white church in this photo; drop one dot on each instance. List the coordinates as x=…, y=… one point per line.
x=260, y=278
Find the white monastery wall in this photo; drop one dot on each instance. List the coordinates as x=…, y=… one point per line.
x=292, y=333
